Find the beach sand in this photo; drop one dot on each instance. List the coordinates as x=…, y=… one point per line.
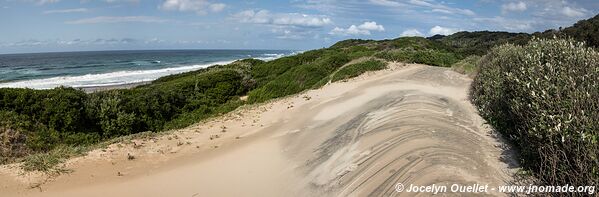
x=410, y=124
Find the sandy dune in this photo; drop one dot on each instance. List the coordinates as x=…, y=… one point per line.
x=410, y=124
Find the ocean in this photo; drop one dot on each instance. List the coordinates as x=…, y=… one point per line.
x=109, y=68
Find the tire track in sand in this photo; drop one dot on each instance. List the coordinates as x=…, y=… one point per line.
x=416, y=130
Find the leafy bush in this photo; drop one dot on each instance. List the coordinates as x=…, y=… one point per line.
x=543, y=96
x=106, y=109
x=60, y=109
x=354, y=70
x=12, y=136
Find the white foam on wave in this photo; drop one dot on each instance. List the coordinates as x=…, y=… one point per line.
x=269, y=57
x=274, y=56
x=105, y=79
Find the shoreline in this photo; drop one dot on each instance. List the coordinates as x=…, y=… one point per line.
x=99, y=88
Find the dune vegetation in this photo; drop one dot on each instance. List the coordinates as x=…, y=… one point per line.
x=543, y=99
x=543, y=96
x=356, y=69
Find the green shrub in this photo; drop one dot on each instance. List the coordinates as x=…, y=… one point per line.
x=300, y=77
x=60, y=109
x=543, y=96
x=480, y=42
x=424, y=56
x=354, y=70
x=467, y=65
x=267, y=71
x=106, y=109
x=39, y=121
x=13, y=136
x=418, y=43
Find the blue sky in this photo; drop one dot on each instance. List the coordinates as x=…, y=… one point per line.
x=73, y=25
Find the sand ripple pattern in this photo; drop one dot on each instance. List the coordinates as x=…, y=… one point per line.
x=405, y=136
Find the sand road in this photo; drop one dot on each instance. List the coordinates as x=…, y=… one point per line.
x=411, y=125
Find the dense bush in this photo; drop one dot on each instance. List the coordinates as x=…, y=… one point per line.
x=543, y=96
x=60, y=109
x=356, y=69
x=267, y=71
x=480, y=42
x=300, y=77
x=423, y=56
x=149, y=108
x=40, y=120
x=12, y=135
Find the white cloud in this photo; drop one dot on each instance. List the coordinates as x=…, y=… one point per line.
x=411, y=32
x=281, y=19
x=154, y=41
x=42, y=2
x=118, y=19
x=351, y=30
x=438, y=30
x=571, y=12
x=198, y=6
x=513, y=7
x=301, y=20
x=290, y=35
x=387, y=3
x=432, y=5
x=65, y=11
x=128, y=1
x=363, y=29
x=99, y=41
x=508, y=24
x=371, y=26
x=217, y=7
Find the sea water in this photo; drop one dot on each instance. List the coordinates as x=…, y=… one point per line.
x=108, y=68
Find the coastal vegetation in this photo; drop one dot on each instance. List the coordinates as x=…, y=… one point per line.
x=540, y=93
x=354, y=70
x=543, y=97
x=467, y=65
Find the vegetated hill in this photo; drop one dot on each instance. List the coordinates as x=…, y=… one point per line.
x=465, y=43
x=584, y=30
x=479, y=43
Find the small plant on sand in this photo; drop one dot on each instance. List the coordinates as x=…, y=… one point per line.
x=50, y=162
x=130, y=156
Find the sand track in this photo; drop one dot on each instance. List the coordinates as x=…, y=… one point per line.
x=409, y=125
